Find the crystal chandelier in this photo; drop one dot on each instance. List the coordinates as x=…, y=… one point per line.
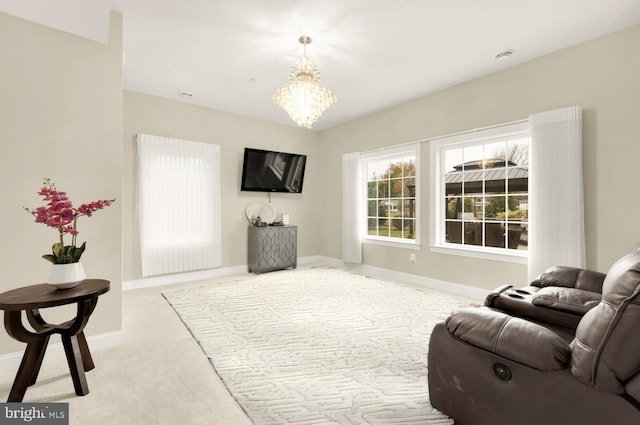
x=304, y=98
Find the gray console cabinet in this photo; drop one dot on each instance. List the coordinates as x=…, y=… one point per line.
x=272, y=248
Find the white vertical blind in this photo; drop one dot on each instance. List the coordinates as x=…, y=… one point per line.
x=556, y=214
x=179, y=205
x=352, y=200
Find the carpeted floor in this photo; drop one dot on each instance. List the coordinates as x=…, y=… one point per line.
x=319, y=346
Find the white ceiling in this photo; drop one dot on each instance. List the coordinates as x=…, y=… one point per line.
x=373, y=54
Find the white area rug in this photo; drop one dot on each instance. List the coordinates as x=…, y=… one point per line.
x=319, y=346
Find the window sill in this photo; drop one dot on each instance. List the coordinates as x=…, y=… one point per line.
x=517, y=257
x=395, y=244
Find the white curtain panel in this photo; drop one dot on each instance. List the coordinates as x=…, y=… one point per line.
x=179, y=205
x=556, y=215
x=352, y=212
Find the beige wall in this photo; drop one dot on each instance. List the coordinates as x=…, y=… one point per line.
x=602, y=76
x=60, y=117
x=149, y=114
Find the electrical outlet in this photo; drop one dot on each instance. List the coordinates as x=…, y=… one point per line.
x=412, y=258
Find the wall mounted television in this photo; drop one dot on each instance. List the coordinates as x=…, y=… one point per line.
x=271, y=171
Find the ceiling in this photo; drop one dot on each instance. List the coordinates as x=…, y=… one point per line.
x=373, y=54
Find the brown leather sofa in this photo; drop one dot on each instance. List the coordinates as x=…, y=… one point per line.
x=531, y=365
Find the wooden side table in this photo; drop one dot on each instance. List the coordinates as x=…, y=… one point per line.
x=32, y=298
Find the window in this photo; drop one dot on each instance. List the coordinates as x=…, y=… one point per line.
x=391, y=209
x=481, y=187
x=179, y=203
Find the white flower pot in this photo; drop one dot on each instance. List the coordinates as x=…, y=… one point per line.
x=64, y=276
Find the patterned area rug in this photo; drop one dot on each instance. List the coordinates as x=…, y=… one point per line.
x=319, y=346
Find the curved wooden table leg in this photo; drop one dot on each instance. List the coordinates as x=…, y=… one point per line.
x=73, y=341
x=76, y=367
x=37, y=322
x=75, y=348
x=87, y=360
x=33, y=354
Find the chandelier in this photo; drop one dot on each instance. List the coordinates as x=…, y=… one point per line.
x=304, y=98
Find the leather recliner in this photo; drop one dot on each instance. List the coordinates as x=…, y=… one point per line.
x=557, y=299
x=489, y=367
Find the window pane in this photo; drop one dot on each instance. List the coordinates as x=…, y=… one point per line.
x=472, y=156
x=395, y=225
x=518, y=180
x=409, y=187
x=383, y=189
x=494, y=234
x=473, y=181
x=372, y=208
x=468, y=208
x=372, y=227
x=453, y=187
x=453, y=207
x=394, y=207
x=383, y=208
x=518, y=150
x=395, y=168
x=372, y=189
x=396, y=188
x=372, y=171
x=408, y=208
x=409, y=229
x=383, y=227
x=409, y=167
x=454, y=231
x=495, y=207
x=495, y=180
x=518, y=208
x=478, y=207
x=472, y=233
x=515, y=236
x=495, y=154
x=382, y=169
x=518, y=236
x=453, y=160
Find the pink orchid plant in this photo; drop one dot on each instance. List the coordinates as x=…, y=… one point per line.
x=60, y=214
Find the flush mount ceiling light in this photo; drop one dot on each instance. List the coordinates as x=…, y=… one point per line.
x=304, y=98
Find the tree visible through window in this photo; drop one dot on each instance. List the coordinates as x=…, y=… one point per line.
x=391, y=201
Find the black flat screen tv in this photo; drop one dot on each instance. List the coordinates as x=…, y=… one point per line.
x=271, y=171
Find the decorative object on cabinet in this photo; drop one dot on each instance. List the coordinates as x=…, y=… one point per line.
x=262, y=209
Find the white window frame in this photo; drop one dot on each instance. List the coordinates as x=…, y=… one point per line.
x=437, y=189
x=393, y=152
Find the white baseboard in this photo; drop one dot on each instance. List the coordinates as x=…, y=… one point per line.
x=55, y=351
x=319, y=259
x=128, y=285
x=466, y=291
